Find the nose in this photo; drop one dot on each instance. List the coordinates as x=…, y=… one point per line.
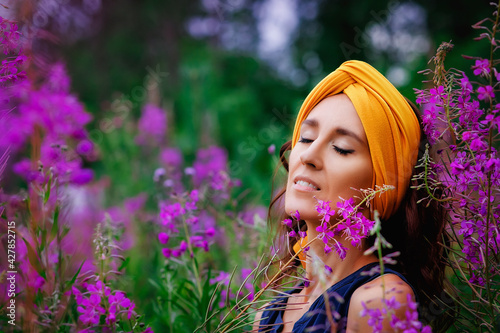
x=311, y=156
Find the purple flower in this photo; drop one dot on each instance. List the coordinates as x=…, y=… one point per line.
x=271, y=149
x=324, y=210
x=91, y=309
x=60, y=117
x=250, y=215
x=193, y=199
x=485, y=93
x=287, y=222
x=58, y=79
x=222, y=277
x=163, y=237
x=190, y=171
x=355, y=227
x=135, y=204
x=465, y=84
x=81, y=176
x=85, y=147
x=167, y=253
x=152, y=125
x=375, y=317
x=392, y=303
x=210, y=232
x=158, y=174
x=346, y=207
x=9, y=35
x=116, y=301
x=171, y=157
x=168, y=213
x=437, y=94
x=482, y=67
x=322, y=228
x=340, y=249
x=209, y=163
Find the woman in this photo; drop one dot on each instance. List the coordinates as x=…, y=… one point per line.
x=355, y=131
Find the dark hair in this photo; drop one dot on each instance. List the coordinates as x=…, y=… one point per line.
x=416, y=230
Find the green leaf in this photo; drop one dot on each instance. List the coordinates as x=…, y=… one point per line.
x=47, y=193
x=65, y=231
x=33, y=258
x=55, y=224
x=157, y=286
x=72, y=281
x=43, y=239
x=124, y=263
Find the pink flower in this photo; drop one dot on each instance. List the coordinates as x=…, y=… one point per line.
x=485, y=93
x=152, y=125
x=287, y=222
x=482, y=67
x=324, y=210
x=171, y=157
x=163, y=237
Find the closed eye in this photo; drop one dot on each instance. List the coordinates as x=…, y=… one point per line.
x=342, y=151
x=304, y=140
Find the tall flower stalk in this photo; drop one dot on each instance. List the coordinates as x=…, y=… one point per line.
x=461, y=116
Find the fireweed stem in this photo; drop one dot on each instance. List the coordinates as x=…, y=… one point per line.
x=193, y=261
x=447, y=108
x=368, y=197
x=426, y=175
x=379, y=251
x=490, y=142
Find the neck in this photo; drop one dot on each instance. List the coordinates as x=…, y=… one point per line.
x=354, y=260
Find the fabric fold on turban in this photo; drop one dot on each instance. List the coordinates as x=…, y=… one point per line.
x=391, y=126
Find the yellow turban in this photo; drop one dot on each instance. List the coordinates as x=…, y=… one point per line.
x=392, y=129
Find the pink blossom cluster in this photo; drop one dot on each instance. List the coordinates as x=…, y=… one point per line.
x=174, y=215
x=471, y=169
x=211, y=183
x=11, y=69
x=152, y=126
x=98, y=301
x=54, y=115
x=353, y=226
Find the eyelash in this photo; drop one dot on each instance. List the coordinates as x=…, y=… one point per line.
x=337, y=149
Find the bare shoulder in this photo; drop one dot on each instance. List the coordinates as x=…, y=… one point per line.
x=258, y=317
x=385, y=291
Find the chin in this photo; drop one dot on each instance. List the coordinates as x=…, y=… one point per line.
x=306, y=208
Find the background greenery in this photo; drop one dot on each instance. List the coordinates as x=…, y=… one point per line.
x=217, y=85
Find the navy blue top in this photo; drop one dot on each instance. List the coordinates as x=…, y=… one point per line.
x=315, y=320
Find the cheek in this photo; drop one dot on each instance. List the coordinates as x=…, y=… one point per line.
x=293, y=163
x=347, y=178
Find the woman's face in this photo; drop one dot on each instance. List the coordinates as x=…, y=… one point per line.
x=330, y=157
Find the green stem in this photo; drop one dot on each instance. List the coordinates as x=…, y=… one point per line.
x=426, y=175
x=193, y=261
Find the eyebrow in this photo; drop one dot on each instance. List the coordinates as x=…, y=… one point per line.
x=338, y=130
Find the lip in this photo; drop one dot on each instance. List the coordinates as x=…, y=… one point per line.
x=305, y=188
